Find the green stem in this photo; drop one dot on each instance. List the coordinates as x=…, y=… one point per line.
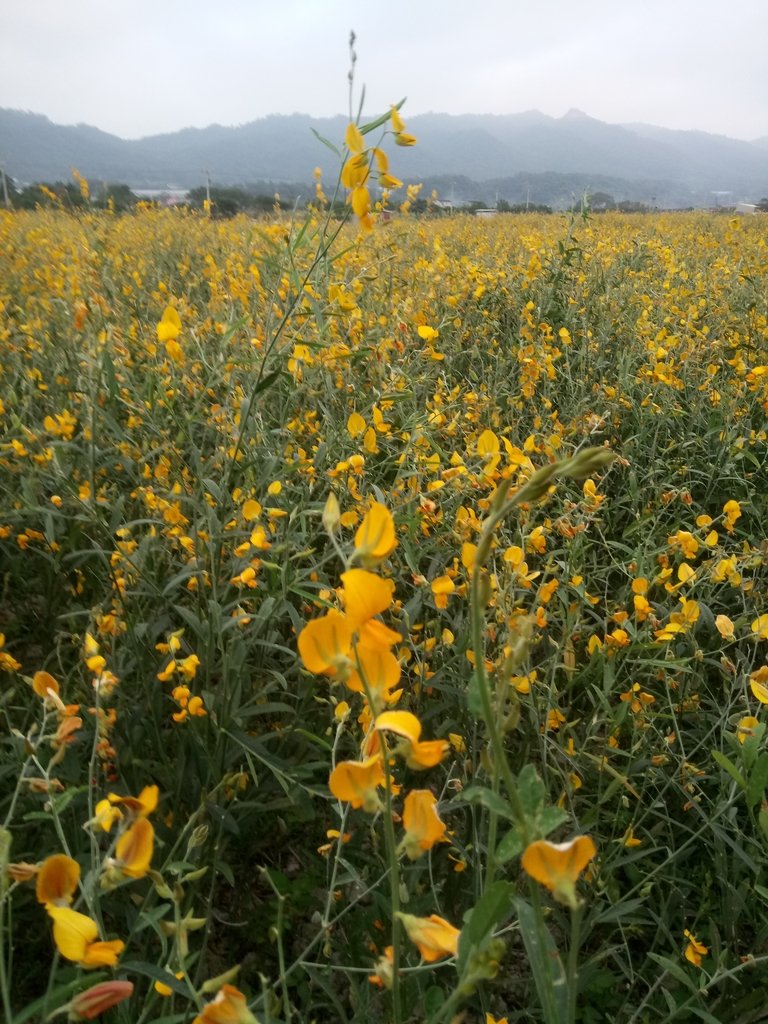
x=5, y=852
x=394, y=886
x=573, y=963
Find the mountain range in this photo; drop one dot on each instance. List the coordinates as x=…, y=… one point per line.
x=526, y=156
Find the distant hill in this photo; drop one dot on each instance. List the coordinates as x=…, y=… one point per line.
x=555, y=157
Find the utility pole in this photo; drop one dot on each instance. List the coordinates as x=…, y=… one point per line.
x=6, y=197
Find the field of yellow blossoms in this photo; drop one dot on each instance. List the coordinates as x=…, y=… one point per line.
x=383, y=617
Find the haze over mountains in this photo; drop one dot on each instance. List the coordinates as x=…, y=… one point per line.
x=518, y=157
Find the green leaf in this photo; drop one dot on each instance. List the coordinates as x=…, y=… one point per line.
x=434, y=999
x=489, y=799
x=510, y=846
x=479, y=923
x=548, y=819
x=269, y=380
x=728, y=766
x=157, y=974
x=547, y=967
x=373, y=125
x=531, y=790
x=326, y=142
x=675, y=970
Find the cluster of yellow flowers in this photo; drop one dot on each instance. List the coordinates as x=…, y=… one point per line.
x=356, y=172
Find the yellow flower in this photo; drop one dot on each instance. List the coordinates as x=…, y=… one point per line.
x=374, y=633
x=133, y=852
x=139, y=806
x=355, y=171
x=442, y=588
x=384, y=969
x=165, y=990
x=434, y=936
x=694, y=951
x=427, y=333
x=356, y=425
x=229, y=1007
x=375, y=539
x=75, y=935
x=725, y=627
x=757, y=683
x=760, y=627
x=353, y=139
x=537, y=541
x=746, y=727
x=57, y=880
x=105, y=815
x=169, y=327
x=7, y=662
x=423, y=825
x=418, y=754
x=44, y=684
x=356, y=782
x=732, y=512
x=378, y=669
x=398, y=124
x=365, y=595
x=629, y=839
x=557, y=866
x=325, y=644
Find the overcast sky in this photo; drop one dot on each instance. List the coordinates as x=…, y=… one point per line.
x=152, y=66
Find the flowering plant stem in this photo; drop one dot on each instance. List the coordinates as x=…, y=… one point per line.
x=501, y=505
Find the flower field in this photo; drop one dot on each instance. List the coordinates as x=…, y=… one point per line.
x=383, y=617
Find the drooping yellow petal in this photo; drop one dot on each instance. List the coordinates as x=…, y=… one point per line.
x=355, y=171
x=365, y=595
x=325, y=643
x=42, y=682
x=57, y=880
x=557, y=866
x=74, y=936
x=418, y=754
x=102, y=954
x=374, y=633
x=361, y=201
x=434, y=936
x=375, y=539
x=746, y=728
x=402, y=723
x=72, y=932
x=353, y=139
x=356, y=782
x=133, y=852
x=725, y=627
x=423, y=825
x=378, y=669
x=140, y=806
x=356, y=425
x=229, y=1007
x=398, y=124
